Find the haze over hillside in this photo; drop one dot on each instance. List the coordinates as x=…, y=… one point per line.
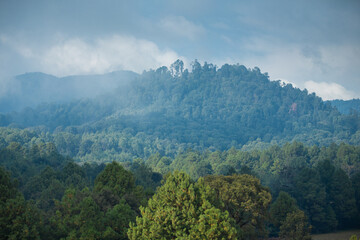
x=32, y=89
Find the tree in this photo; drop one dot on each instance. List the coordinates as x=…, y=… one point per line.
x=177, y=68
x=18, y=218
x=182, y=209
x=117, y=221
x=356, y=184
x=283, y=205
x=339, y=192
x=115, y=183
x=115, y=178
x=7, y=187
x=342, y=198
x=311, y=197
x=245, y=199
x=77, y=216
x=295, y=227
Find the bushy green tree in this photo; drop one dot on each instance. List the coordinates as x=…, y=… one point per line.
x=116, y=221
x=311, y=196
x=182, y=209
x=18, y=219
x=339, y=192
x=342, y=198
x=115, y=178
x=246, y=200
x=115, y=183
x=295, y=227
x=283, y=205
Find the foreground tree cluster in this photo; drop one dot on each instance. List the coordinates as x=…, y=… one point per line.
x=54, y=198
x=323, y=181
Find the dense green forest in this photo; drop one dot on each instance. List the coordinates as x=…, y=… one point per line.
x=171, y=110
x=234, y=193
x=201, y=154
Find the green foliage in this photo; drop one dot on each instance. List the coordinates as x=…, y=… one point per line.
x=312, y=198
x=24, y=161
x=355, y=179
x=116, y=179
x=18, y=218
x=143, y=174
x=116, y=183
x=7, y=187
x=341, y=195
x=339, y=190
x=295, y=227
x=117, y=221
x=182, y=209
x=79, y=216
x=283, y=205
x=245, y=199
x=313, y=176
x=160, y=117
x=353, y=237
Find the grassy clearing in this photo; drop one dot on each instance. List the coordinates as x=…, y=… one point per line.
x=343, y=235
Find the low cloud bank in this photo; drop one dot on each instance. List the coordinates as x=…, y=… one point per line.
x=329, y=91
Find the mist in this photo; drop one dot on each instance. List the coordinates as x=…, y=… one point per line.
x=33, y=89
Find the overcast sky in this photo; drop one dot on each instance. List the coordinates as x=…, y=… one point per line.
x=312, y=44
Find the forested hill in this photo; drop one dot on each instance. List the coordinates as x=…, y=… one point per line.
x=170, y=110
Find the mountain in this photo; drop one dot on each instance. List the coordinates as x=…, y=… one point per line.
x=171, y=110
x=346, y=106
x=32, y=89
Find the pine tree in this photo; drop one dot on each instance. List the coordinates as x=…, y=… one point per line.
x=182, y=209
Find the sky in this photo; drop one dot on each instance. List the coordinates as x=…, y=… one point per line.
x=310, y=44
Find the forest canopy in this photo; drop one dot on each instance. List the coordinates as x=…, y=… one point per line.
x=185, y=154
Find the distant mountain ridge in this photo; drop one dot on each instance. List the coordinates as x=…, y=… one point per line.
x=346, y=106
x=32, y=89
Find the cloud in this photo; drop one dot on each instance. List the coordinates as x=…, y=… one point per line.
x=23, y=50
x=77, y=56
x=329, y=91
x=180, y=26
